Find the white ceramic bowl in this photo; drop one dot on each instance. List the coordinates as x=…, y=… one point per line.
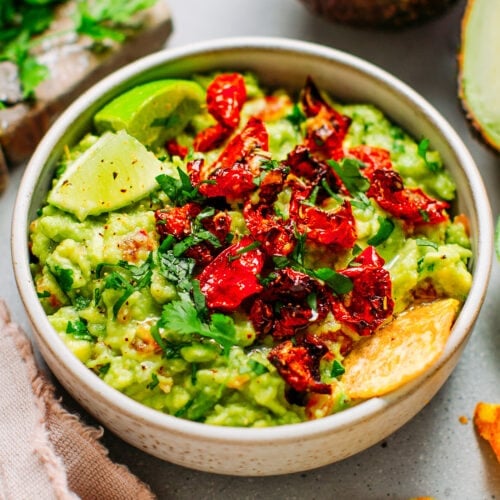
x=288, y=448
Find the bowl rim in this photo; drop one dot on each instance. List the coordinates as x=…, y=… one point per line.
x=332, y=423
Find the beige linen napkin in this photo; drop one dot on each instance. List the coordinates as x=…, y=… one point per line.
x=46, y=452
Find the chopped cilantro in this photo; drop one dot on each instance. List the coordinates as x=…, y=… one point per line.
x=81, y=302
x=424, y=214
x=252, y=246
x=127, y=278
x=349, y=172
x=386, y=227
x=104, y=369
x=423, y=147
x=182, y=317
x=423, y=242
x=296, y=117
x=257, y=367
x=154, y=382
x=179, y=190
x=339, y=283
x=177, y=270
x=64, y=277
x=78, y=329
x=337, y=369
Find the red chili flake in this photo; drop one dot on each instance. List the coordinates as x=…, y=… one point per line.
x=326, y=127
x=226, y=95
x=175, y=149
x=370, y=302
x=275, y=234
x=298, y=364
x=176, y=220
x=334, y=228
x=232, y=276
x=411, y=205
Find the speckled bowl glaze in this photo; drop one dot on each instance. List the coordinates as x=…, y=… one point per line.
x=289, y=448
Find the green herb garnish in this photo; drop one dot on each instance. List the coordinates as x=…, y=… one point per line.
x=386, y=227
x=423, y=147
x=78, y=329
x=349, y=171
x=337, y=369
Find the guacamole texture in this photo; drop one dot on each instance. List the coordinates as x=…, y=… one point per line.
x=222, y=273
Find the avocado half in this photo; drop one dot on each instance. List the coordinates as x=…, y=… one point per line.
x=479, y=68
x=378, y=13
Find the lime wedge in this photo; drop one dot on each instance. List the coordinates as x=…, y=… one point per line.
x=115, y=171
x=153, y=112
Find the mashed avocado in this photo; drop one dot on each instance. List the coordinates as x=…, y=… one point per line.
x=281, y=230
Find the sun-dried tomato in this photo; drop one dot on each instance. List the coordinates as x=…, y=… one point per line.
x=175, y=149
x=305, y=165
x=272, y=184
x=326, y=128
x=176, y=220
x=298, y=364
x=334, y=228
x=374, y=158
x=409, y=204
x=275, y=234
x=288, y=292
x=211, y=138
x=232, y=174
x=370, y=302
x=226, y=95
x=232, y=276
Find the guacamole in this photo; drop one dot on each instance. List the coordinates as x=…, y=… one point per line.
x=224, y=273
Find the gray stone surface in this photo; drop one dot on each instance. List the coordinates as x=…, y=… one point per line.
x=434, y=454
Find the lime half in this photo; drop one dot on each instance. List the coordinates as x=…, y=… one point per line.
x=153, y=112
x=115, y=171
